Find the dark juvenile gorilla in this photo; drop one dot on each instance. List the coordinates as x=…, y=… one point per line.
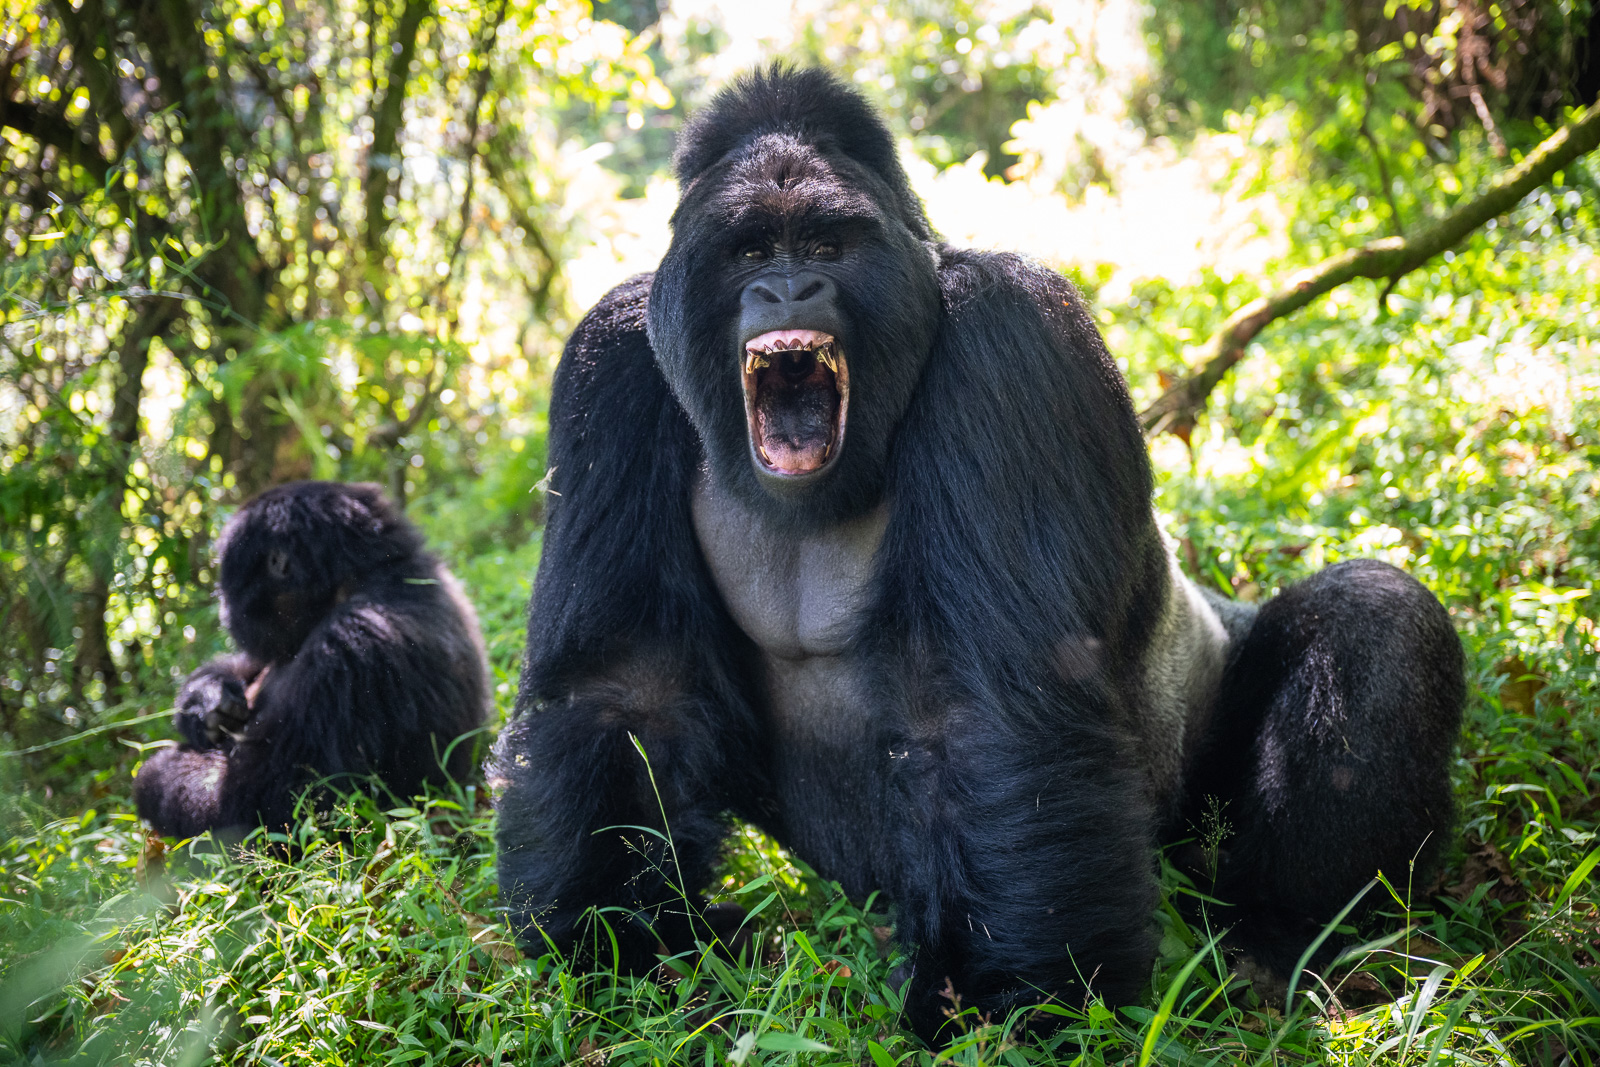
x=358, y=656
x=854, y=535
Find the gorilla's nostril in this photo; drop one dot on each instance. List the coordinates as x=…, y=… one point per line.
x=766, y=294
x=810, y=291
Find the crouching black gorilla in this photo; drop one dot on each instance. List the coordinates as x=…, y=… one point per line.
x=358, y=656
x=854, y=536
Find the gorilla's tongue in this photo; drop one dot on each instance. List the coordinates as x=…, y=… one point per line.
x=794, y=409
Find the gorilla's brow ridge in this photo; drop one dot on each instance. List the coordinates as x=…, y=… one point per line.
x=785, y=193
x=808, y=206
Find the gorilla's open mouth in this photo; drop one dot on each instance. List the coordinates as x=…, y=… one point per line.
x=796, y=394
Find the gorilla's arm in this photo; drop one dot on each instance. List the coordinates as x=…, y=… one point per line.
x=1021, y=549
x=253, y=778
x=628, y=640
x=363, y=695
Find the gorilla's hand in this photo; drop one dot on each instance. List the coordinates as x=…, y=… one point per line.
x=212, y=707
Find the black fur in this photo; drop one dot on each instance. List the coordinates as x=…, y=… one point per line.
x=991, y=778
x=358, y=653
x=1336, y=721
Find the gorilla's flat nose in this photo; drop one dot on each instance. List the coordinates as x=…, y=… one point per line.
x=806, y=287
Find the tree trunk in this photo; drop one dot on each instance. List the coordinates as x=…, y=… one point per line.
x=384, y=153
x=93, y=654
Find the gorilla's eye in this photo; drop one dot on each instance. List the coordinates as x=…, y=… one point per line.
x=278, y=564
x=827, y=249
x=754, y=253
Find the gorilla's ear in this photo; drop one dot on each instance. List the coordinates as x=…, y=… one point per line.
x=810, y=104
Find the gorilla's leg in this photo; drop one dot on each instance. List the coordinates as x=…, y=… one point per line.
x=1024, y=869
x=249, y=780
x=179, y=790
x=1330, y=753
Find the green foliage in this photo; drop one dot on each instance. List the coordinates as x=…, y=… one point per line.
x=950, y=75
x=1452, y=428
x=949, y=72
x=1451, y=425
x=1440, y=63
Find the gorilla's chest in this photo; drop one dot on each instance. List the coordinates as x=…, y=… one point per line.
x=798, y=597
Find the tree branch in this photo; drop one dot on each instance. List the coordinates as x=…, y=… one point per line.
x=1388, y=258
x=512, y=186
x=198, y=82
x=89, y=27
x=153, y=318
x=1383, y=166
x=52, y=131
x=480, y=89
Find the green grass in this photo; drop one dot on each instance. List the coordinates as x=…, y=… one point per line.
x=381, y=942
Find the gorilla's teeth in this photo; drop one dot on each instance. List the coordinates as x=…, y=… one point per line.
x=756, y=358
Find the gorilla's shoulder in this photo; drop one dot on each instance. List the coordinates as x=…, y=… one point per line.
x=1012, y=301
x=620, y=312
x=608, y=340
x=967, y=275
x=608, y=375
x=1021, y=329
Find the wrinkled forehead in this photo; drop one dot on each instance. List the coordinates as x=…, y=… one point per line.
x=783, y=183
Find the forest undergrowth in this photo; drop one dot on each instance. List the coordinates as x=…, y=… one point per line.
x=380, y=942
x=1448, y=423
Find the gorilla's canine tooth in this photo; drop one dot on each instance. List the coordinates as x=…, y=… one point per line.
x=825, y=353
x=754, y=361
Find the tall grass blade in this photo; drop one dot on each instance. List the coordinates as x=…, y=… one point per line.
x=1169, y=999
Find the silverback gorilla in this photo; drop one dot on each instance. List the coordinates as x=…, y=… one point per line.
x=854, y=535
x=358, y=656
